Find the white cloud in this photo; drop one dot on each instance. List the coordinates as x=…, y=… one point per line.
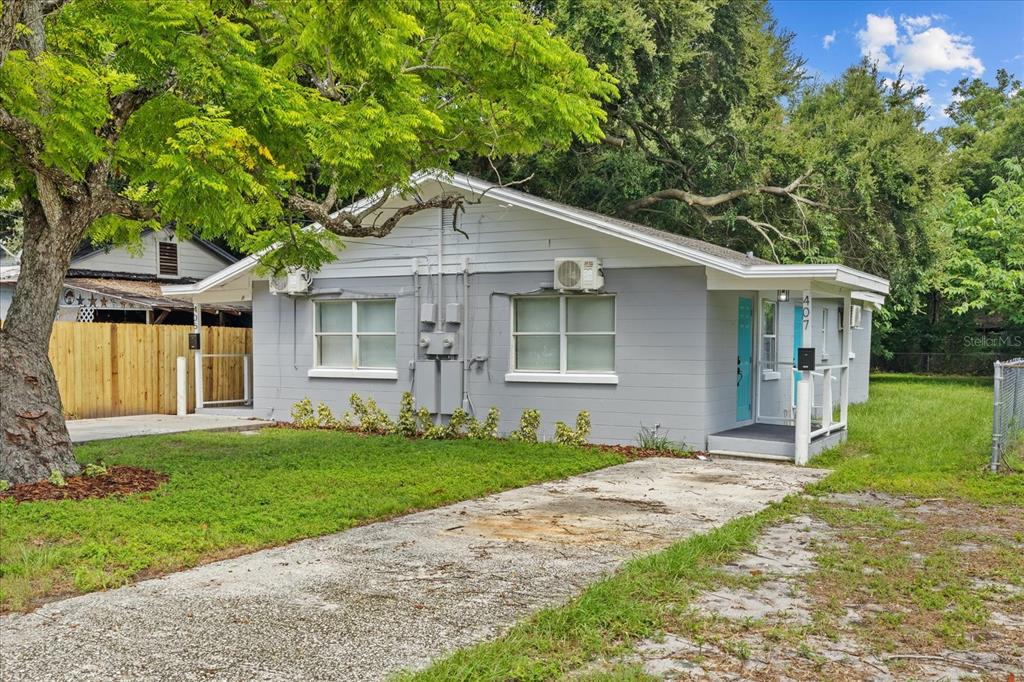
x=920, y=49
x=828, y=40
x=924, y=100
x=914, y=24
x=936, y=50
x=879, y=34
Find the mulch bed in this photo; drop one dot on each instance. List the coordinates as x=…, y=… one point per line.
x=632, y=452
x=121, y=480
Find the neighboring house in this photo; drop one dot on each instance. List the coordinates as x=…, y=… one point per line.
x=121, y=284
x=682, y=334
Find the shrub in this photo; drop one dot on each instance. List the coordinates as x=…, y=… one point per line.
x=372, y=419
x=57, y=478
x=658, y=440
x=5, y=485
x=302, y=414
x=325, y=418
x=566, y=435
x=407, y=416
x=458, y=421
x=486, y=429
x=653, y=439
x=95, y=470
x=529, y=425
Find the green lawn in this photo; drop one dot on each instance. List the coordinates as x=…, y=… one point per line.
x=230, y=493
x=916, y=436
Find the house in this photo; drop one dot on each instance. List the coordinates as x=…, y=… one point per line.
x=520, y=302
x=122, y=284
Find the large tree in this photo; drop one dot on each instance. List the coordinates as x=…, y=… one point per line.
x=242, y=120
x=720, y=135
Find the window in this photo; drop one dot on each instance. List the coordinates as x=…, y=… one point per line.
x=167, y=259
x=563, y=334
x=769, y=336
x=355, y=334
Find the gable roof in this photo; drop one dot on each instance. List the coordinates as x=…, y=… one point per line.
x=694, y=251
x=87, y=248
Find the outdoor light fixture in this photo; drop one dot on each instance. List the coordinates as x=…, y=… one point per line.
x=783, y=295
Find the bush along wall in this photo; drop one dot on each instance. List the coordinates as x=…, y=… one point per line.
x=367, y=417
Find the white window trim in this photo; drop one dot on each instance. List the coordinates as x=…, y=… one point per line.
x=562, y=374
x=342, y=373
x=355, y=371
x=559, y=378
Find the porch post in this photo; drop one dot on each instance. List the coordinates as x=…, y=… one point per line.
x=844, y=373
x=802, y=426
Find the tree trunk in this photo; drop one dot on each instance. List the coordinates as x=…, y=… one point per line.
x=33, y=437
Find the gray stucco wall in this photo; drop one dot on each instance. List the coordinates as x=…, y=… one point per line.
x=860, y=365
x=660, y=353
x=675, y=353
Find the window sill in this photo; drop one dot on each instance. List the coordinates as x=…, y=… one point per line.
x=568, y=378
x=767, y=375
x=341, y=373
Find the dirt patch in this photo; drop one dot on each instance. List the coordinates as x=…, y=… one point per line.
x=860, y=587
x=122, y=480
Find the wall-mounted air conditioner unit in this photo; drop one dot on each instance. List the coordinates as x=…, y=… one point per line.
x=578, y=274
x=855, y=313
x=291, y=282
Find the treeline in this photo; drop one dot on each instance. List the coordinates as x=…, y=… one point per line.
x=719, y=133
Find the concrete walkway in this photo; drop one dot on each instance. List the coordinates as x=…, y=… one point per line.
x=85, y=430
x=368, y=602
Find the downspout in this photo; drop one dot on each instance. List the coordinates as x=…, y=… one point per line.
x=467, y=404
x=439, y=294
x=415, y=323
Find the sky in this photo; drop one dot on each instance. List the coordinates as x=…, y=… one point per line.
x=936, y=43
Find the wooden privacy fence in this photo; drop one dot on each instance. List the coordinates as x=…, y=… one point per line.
x=107, y=370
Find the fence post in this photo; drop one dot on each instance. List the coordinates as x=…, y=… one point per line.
x=182, y=376
x=994, y=464
x=246, y=380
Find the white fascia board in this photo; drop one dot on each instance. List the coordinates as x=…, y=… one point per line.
x=873, y=300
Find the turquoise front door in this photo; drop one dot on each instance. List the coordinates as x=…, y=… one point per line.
x=798, y=340
x=744, y=360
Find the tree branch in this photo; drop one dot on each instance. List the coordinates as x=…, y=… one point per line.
x=353, y=225
x=29, y=148
x=698, y=200
x=109, y=202
x=123, y=105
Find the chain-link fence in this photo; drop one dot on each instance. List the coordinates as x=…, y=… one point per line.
x=1008, y=414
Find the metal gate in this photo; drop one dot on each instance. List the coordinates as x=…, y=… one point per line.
x=1008, y=411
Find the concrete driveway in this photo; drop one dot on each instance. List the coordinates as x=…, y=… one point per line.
x=368, y=602
x=105, y=428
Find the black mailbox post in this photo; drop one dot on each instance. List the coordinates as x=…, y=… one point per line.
x=805, y=359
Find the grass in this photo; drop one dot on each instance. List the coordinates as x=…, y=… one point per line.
x=917, y=436
x=232, y=493
x=923, y=436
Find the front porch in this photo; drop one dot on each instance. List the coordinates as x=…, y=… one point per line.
x=775, y=442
